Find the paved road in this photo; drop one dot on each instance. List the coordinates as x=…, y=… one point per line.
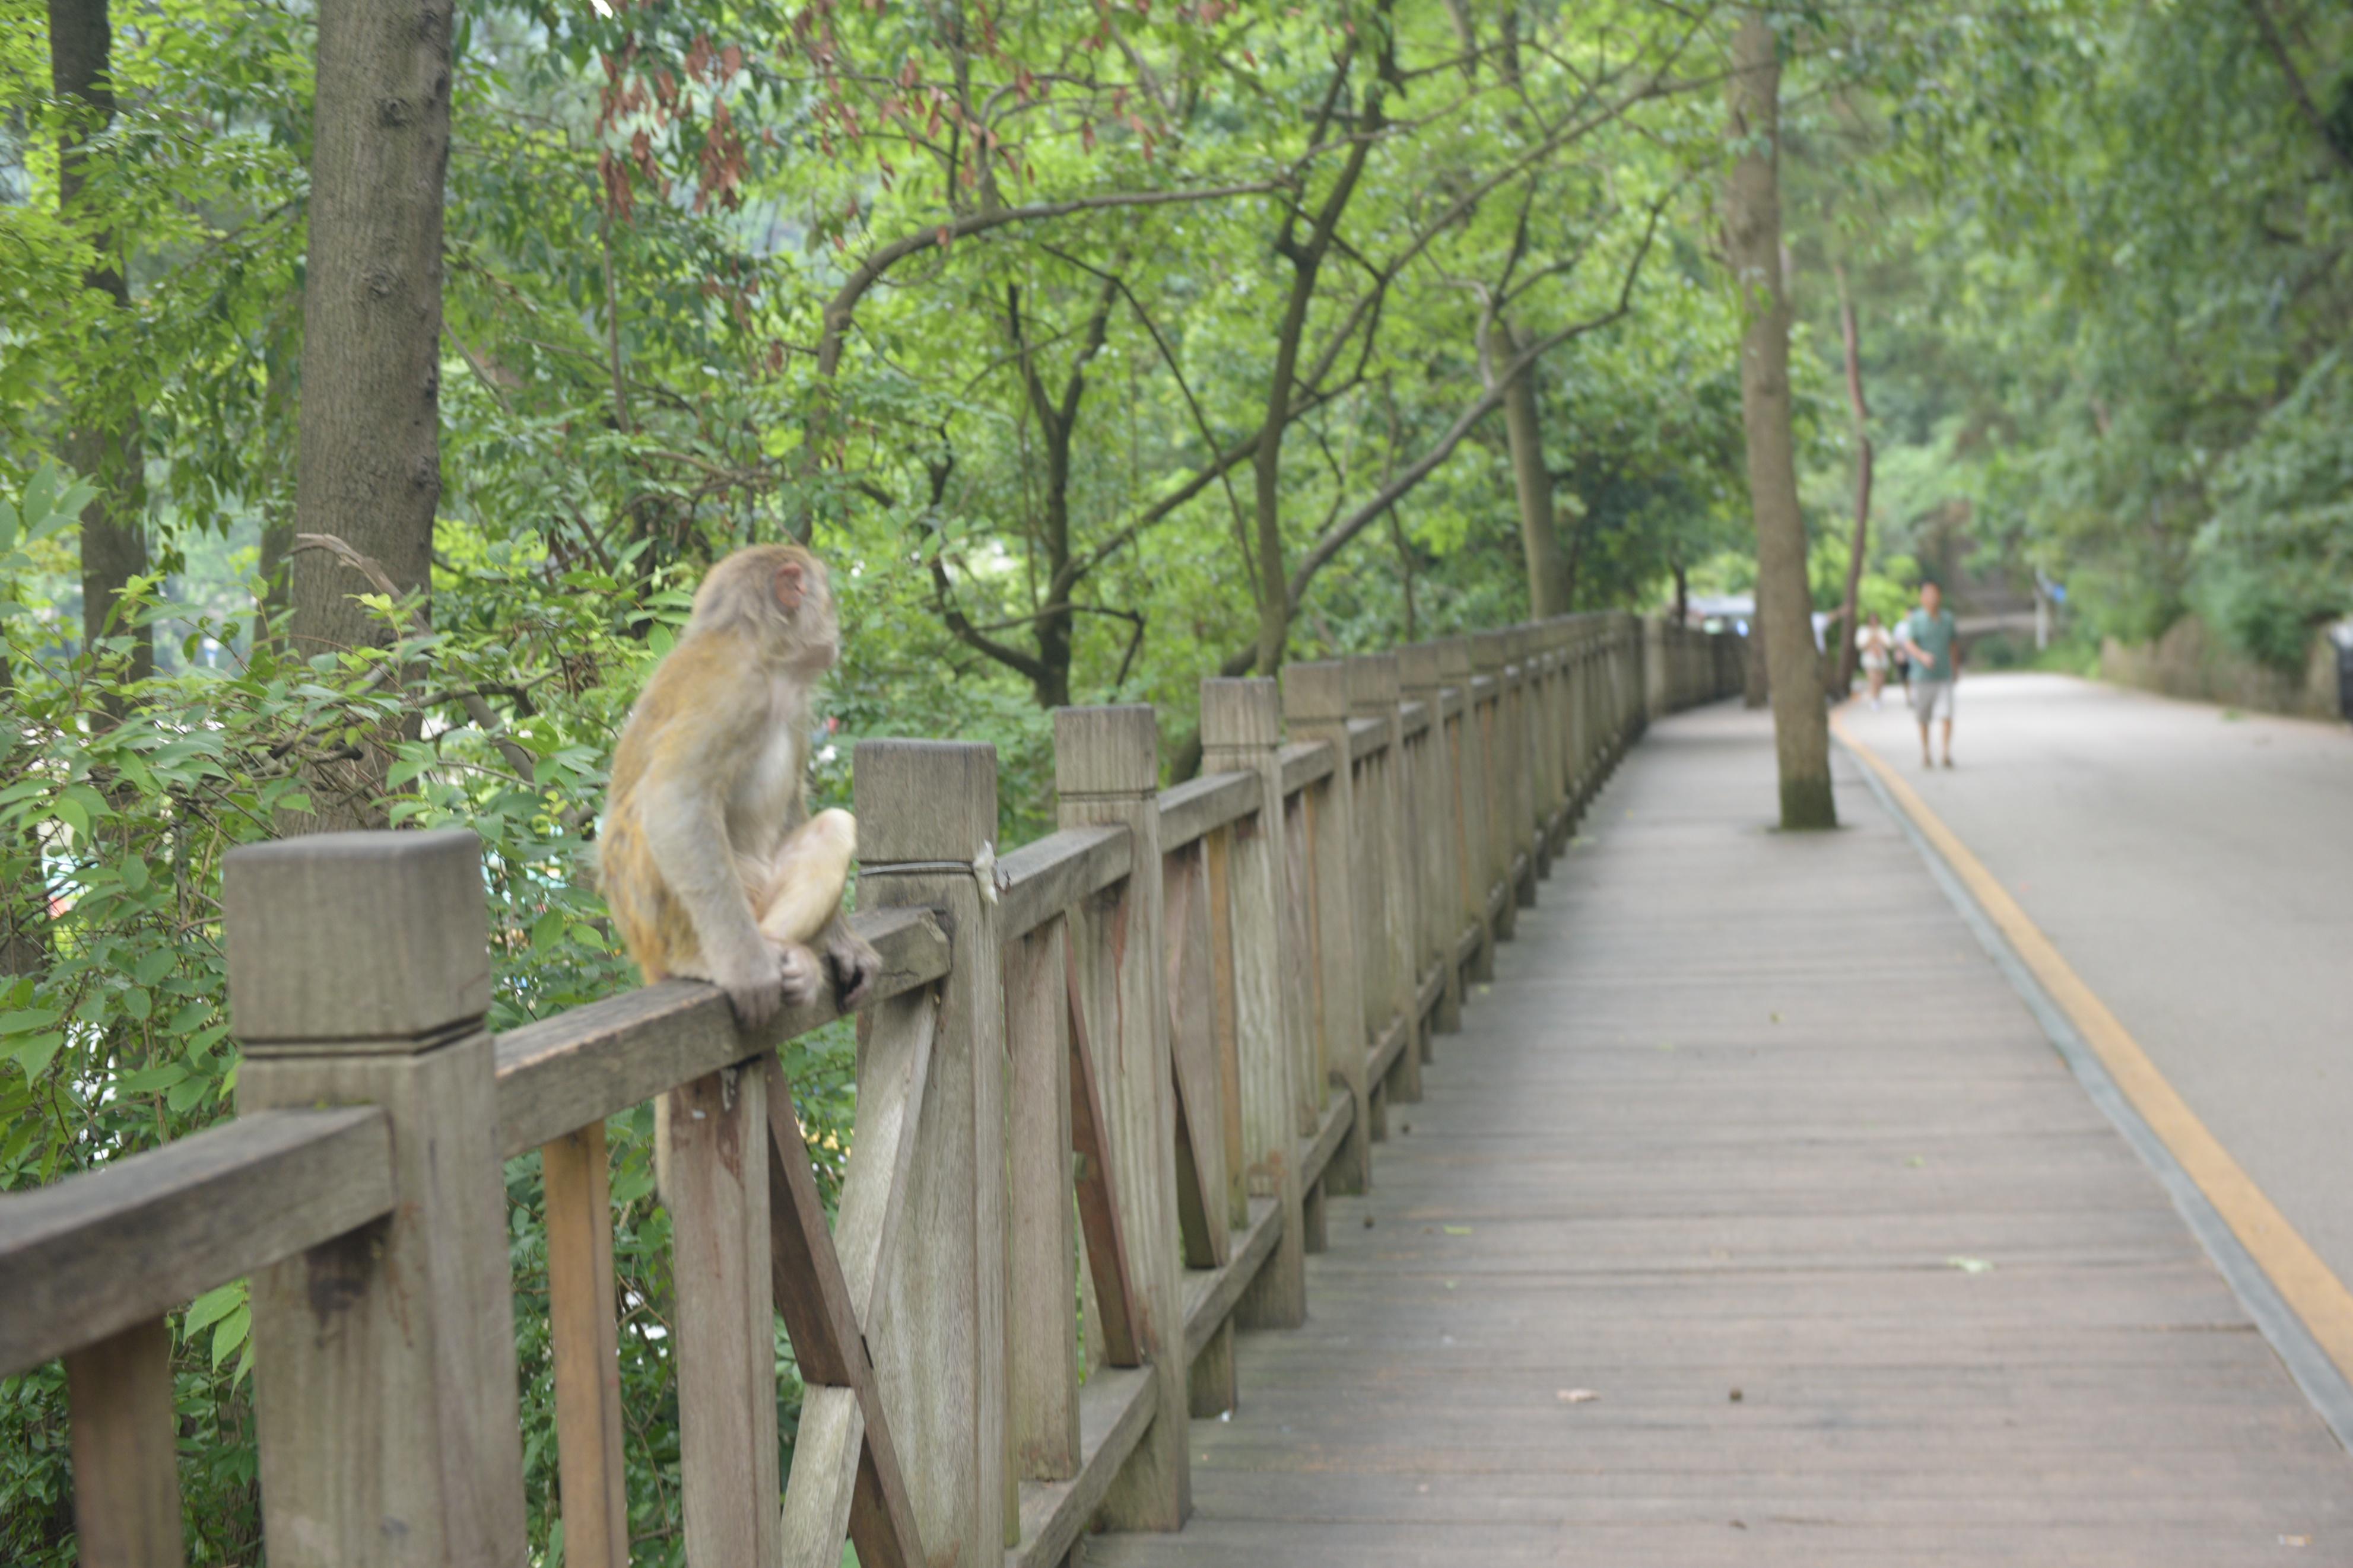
x=1750, y=1141
x=2195, y=866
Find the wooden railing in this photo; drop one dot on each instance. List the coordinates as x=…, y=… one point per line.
x=1103, y=1085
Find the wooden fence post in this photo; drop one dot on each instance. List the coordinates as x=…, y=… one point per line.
x=1488, y=657
x=1421, y=678
x=1241, y=731
x=927, y=835
x=1394, y=973
x=1107, y=769
x=1315, y=707
x=384, y=1360
x=1456, y=665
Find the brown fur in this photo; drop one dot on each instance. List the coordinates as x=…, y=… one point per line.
x=707, y=790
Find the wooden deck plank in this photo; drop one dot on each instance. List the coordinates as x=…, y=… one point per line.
x=1730, y=1111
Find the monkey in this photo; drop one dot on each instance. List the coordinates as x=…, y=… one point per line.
x=709, y=859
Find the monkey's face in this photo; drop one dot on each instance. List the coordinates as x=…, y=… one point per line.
x=781, y=595
x=802, y=591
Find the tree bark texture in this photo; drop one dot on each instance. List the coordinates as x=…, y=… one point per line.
x=1753, y=234
x=103, y=445
x=1850, y=611
x=1539, y=526
x=368, y=463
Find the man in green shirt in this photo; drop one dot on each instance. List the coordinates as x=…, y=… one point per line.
x=1926, y=638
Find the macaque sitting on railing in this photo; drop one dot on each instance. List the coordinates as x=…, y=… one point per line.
x=709, y=861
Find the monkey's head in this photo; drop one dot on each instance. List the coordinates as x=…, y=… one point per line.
x=778, y=595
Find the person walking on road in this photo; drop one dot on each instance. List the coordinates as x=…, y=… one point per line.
x=1926, y=638
x=1873, y=640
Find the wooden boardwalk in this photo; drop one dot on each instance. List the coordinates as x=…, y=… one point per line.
x=1749, y=1139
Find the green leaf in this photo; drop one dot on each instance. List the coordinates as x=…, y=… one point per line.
x=69, y=810
x=138, y=1002
x=36, y=1054
x=146, y=1081
x=185, y=1096
x=155, y=966
x=230, y=1333
x=211, y=1307
x=547, y=931
x=19, y=1022
x=133, y=872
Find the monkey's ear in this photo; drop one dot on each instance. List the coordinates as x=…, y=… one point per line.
x=791, y=587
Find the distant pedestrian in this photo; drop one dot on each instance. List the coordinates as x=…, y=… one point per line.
x=1927, y=637
x=1871, y=638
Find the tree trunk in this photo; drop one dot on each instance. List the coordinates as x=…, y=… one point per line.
x=1849, y=609
x=1539, y=528
x=369, y=464
x=1752, y=231
x=103, y=445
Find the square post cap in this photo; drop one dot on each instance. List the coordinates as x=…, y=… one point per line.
x=374, y=940
x=1455, y=659
x=1418, y=669
x=1372, y=685
x=1113, y=750
x=923, y=800
x=1316, y=693
x=1489, y=651
x=1245, y=714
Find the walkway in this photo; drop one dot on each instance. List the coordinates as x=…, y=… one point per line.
x=1752, y=1144
x=2195, y=866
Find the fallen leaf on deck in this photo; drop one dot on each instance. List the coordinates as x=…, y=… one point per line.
x=1458, y=1230
x=1576, y=1396
x=1969, y=1265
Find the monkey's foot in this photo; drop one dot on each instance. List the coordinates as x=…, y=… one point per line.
x=854, y=962
x=803, y=976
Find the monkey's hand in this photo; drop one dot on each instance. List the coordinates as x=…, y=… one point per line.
x=854, y=963
x=804, y=976
x=755, y=988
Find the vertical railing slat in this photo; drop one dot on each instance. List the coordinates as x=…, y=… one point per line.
x=584, y=1343
x=1241, y=731
x=1107, y=769
x=1315, y=707
x=126, y=1474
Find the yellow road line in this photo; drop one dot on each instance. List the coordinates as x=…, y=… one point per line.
x=2310, y=1289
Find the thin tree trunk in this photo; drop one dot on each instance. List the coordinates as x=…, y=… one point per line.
x=1539, y=527
x=1849, y=609
x=368, y=468
x=1752, y=231
x=104, y=445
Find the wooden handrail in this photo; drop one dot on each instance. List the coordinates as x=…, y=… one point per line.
x=94, y=1255
x=1046, y=875
x=1203, y=805
x=591, y=1062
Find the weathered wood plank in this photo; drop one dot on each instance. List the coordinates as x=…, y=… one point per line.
x=593, y=1061
x=1211, y=1294
x=729, y=1487
x=1115, y=1410
x=1316, y=1152
x=584, y=1346
x=1042, y=1325
x=1304, y=761
x=1201, y=805
x=1106, y=769
x=95, y=1254
x=126, y=1477
x=1266, y=950
x=1046, y=875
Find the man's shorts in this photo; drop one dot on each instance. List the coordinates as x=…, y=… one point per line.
x=1932, y=700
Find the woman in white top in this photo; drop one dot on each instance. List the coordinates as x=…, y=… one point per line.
x=1874, y=642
